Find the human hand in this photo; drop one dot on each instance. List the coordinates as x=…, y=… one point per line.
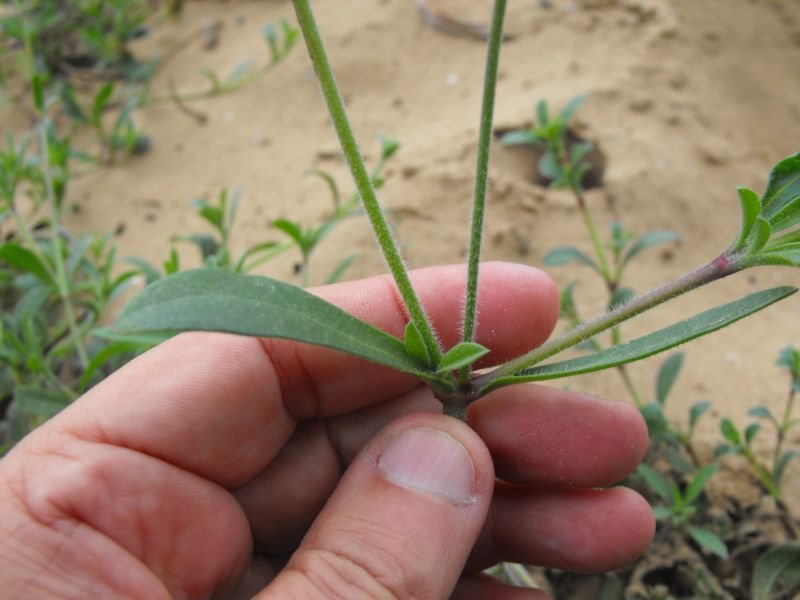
x=223, y=466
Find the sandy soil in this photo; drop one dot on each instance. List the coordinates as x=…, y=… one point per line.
x=685, y=99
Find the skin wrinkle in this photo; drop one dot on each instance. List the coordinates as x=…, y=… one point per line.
x=337, y=565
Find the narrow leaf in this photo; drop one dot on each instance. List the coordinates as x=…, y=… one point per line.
x=329, y=181
x=655, y=419
x=698, y=410
x=23, y=259
x=729, y=432
x=106, y=354
x=708, y=541
x=780, y=467
x=778, y=568
x=240, y=70
x=787, y=216
x=100, y=101
x=340, y=269
x=750, y=207
x=653, y=343
x=667, y=374
x=699, y=481
x=751, y=432
x=655, y=481
x=461, y=355
x=761, y=412
x=562, y=255
x=572, y=106
x=648, y=240
x=210, y=299
x=415, y=345
x=291, y=229
x=542, y=112
x=522, y=137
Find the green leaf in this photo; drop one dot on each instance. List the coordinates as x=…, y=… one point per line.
x=572, y=106
x=23, y=259
x=293, y=230
x=653, y=343
x=655, y=419
x=389, y=146
x=780, y=466
x=521, y=137
x=620, y=296
x=699, y=481
x=240, y=70
x=698, y=410
x=760, y=237
x=106, y=354
x=542, y=113
x=667, y=374
x=30, y=401
x=762, y=412
x=151, y=273
x=789, y=358
x=723, y=449
x=562, y=255
x=777, y=570
x=653, y=479
x=662, y=513
x=729, y=432
x=751, y=432
x=462, y=355
x=708, y=540
x=786, y=217
x=549, y=167
x=100, y=100
x=329, y=181
x=415, y=345
x=210, y=299
x=751, y=208
x=216, y=84
x=648, y=240
x=578, y=151
x=339, y=270
x=783, y=190
x=38, y=93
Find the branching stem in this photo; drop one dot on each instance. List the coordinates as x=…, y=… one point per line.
x=716, y=269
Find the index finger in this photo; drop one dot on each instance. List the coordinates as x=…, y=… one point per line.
x=222, y=406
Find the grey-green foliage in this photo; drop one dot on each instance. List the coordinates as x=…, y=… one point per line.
x=770, y=473
x=682, y=506
x=456, y=389
x=54, y=288
x=777, y=573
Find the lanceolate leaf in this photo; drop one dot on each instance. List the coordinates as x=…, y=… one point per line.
x=699, y=482
x=777, y=568
x=655, y=481
x=521, y=137
x=667, y=375
x=462, y=355
x=708, y=540
x=751, y=207
x=211, y=299
x=415, y=345
x=562, y=255
x=649, y=239
x=25, y=260
x=653, y=343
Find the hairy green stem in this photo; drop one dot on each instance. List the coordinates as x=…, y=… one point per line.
x=716, y=269
x=333, y=99
x=58, y=257
x=482, y=168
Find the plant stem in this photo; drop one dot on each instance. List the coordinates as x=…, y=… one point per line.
x=595, y=237
x=784, y=426
x=631, y=386
x=330, y=91
x=58, y=257
x=482, y=170
x=716, y=269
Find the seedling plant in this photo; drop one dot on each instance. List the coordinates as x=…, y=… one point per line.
x=770, y=474
x=215, y=299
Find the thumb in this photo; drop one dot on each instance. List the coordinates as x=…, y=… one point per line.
x=403, y=519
